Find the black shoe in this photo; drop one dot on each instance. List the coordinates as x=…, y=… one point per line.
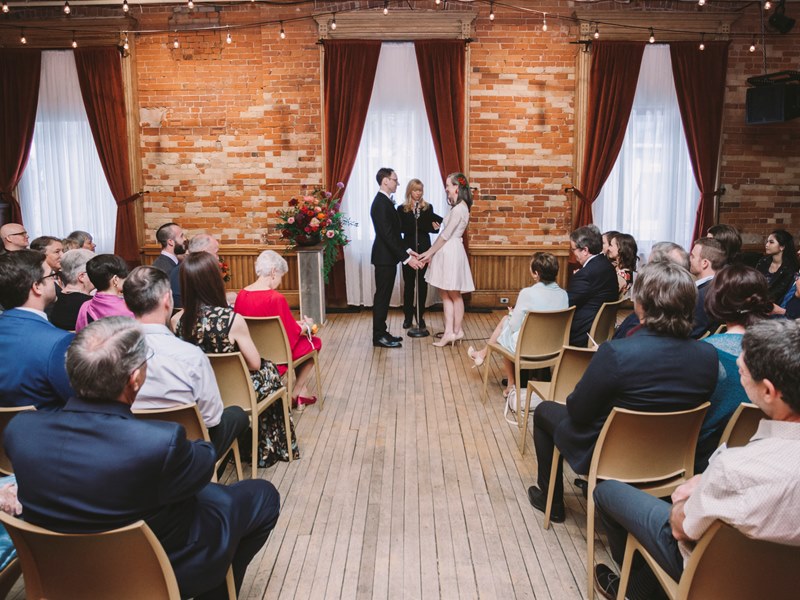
x=504, y=381
x=386, y=341
x=583, y=486
x=394, y=337
x=421, y=324
x=538, y=500
x=407, y=323
x=606, y=582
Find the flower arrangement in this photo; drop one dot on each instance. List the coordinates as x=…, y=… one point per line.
x=316, y=218
x=225, y=270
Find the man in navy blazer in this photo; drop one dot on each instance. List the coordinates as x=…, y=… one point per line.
x=32, y=350
x=592, y=285
x=706, y=258
x=658, y=368
x=93, y=467
x=387, y=251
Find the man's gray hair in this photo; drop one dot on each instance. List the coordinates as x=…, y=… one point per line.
x=269, y=260
x=200, y=242
x=588, y=237
x=144, y=288
x=73, y=263
x=666, y=251
x=81, y=237
x=102, y=357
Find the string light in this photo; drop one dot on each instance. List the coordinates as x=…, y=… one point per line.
x=125, y=7
x=190, y=4
x=67, y=9
x=544, y=21
x=175, y=43
x=283, y=33
x=652, y=36
x=386, y=8
x=333, y=23
x=228, y=38
x=596, y=32
x=702, y=41
x=125, y=44
x=438, y=2
x=753, y=45
x=767, y=4
x=491, y=11
x=701, y=2
x=5, y=7
x=22, y=39
x=74, y=41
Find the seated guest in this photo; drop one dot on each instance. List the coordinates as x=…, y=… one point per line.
x=9, y=504
x=779, y=264
x=544, y=294
x=607, y=242
x=107, y=272
x=177, y=372
x=84, y=239
x=755, y=488
x=262, y=299
x=32, y=350
x=52, y=248
x=93, y=467
x=706, y=258
x=731, y=241
x=737, y=297
x=202, y=242
x=76, y=290
x=622, y=252
x=173, y=245
x=656, y=369
x=208, y=322
x=14, y=237
x=69, y=243
x=592, y=285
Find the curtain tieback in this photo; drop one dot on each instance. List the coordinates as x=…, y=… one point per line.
x=578, y=193
x=130, y=199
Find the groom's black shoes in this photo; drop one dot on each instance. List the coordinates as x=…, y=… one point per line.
x=387, y=341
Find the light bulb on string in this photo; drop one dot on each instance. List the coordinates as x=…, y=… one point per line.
x=74, y=41
x=753, y=45
x=22, y=39
x=125, y=44
x=438, y=2
x=125, y=7
x=702, y=41
x=767, y=4
x=175, y=43
x=333, y=23
x=190, y=4
x=283, y=33
x=67, y=9
x=596, y=32
x=5, y=7
x=386, y=8
x=652, y=36
x=491, y=11
x=544, y=21
x=228, y=38
x=701, y=2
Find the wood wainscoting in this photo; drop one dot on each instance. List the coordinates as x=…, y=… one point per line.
x=499, y=271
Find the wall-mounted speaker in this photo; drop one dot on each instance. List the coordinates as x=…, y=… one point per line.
x=772, y=103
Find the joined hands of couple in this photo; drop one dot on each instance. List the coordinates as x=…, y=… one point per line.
x=419, y=260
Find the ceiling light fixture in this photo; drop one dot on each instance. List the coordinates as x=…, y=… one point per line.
x=125, y=7
x=596, y=32
x=544, y=21
x=333, y=23
x=702, y=41
x=652, y=36
x=67, y=9
x=491, y=11
x=283, y=33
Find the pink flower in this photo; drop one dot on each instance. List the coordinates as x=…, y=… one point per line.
x=340, y=185
x=290, y=220
x=330, y=233
x=308, y=198
x=328, y=194
x=314, y=223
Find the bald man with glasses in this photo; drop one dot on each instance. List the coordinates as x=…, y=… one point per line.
x=14, y=237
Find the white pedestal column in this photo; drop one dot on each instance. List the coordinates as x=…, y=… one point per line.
x=312, y=284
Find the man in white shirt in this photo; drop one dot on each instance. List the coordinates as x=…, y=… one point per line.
x=755, y=488
x=178, y=372
x=173, y=244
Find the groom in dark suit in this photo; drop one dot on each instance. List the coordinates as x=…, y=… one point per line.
x=387, y=251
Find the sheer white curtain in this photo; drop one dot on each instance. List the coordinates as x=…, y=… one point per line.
x=651, y=192
x=396, y=135
x=63, y=187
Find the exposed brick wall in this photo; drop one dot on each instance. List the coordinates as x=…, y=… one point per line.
x=231, y=132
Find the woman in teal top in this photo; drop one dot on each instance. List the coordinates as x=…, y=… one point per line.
x=543, y=295
x=737, y=296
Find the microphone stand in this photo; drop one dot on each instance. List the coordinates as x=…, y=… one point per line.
x=417, y=332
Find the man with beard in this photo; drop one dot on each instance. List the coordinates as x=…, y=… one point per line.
x=173, y=244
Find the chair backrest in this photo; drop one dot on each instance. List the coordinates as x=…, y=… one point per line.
x=742, y=425
x=233, y=380
x=604, y=321
x=638, y=447
x=727, y=565
x=544, y=333
x=269, y=336
x=569, y=370
x=126, y=563
x=187, y=415
x=6, y=414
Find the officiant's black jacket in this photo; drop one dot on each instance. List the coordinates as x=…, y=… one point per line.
x=424, y=227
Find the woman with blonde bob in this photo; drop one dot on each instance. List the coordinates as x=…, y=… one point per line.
x=262, y=299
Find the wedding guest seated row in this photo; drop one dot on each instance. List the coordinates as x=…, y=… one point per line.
x=755, y=488
x=107, y=272
x=779, y=264
x=173, y=244
x=80, y=239
x=76, y=290
x=52, y=248
x=93, y=467
x=543, y=295
x=14, y=237
x=208, y=322
x=262, y=299
x=658, y=368
x=737, y=297
x=202, y=242
x=177, y=372
x=623, y=253
x=32, y=350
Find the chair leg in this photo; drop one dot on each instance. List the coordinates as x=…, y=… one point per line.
x=625, y=574
x=319, y=379
x=523, y=434
x=254, y=449
x=518, y=389
x=486, y=364
x=237, y=460
x=230, y=584
x=287, y=423
x=590, y=541
x=551, y=487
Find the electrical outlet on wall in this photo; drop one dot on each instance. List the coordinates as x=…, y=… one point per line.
x=503, y=300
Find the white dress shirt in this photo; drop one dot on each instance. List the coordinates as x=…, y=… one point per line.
x=178, y=373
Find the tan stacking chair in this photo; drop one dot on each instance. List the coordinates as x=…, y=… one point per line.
x=126, y=564
x=651, y=451
x=541, y=337
x=742, y=425
x=269, y=336
x=6, y=414
x=572, y=363
x=9, y=576
x=236, y=388
x=725, y=565
x=189, y=416
x=604, y=322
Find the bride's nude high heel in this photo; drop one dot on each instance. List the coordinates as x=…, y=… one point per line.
x=475, y=356
x=446, y=339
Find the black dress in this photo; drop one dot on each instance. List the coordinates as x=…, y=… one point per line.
x=65, y=310
x=779, y=282
x=423, y=227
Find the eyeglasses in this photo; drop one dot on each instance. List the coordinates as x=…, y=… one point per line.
x=54, y=275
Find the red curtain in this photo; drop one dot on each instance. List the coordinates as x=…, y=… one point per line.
x=20, y=71
x=350, y=67
x=612, y=86
x=100, y=77
x=700, y=85
x=441, y=72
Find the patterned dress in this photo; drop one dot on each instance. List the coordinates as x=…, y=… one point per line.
x=212, y=335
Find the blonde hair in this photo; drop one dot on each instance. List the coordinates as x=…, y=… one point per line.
x=408, y=205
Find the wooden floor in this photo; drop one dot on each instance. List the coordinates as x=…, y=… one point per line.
x=409, y=487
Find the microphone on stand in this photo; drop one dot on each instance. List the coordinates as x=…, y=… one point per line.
x=417, y=332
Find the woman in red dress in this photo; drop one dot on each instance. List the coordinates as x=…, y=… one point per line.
x=261, y=299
